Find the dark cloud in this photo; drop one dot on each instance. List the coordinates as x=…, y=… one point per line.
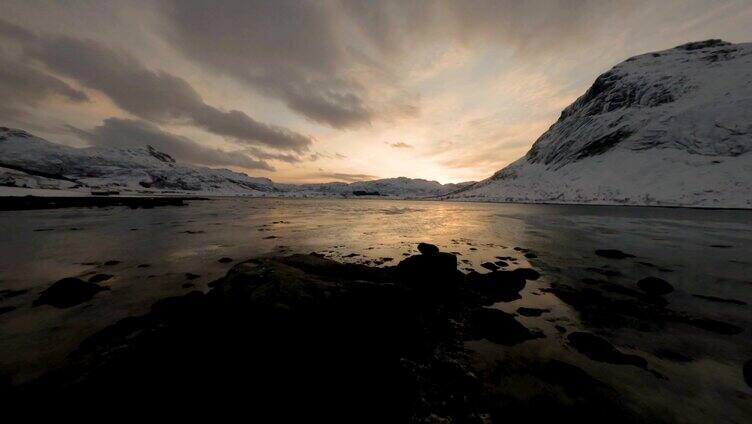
x=287, y=49
x=401, y=145
x=125, y=133
x=22, y=86
x=350, y=178
x=152, y=95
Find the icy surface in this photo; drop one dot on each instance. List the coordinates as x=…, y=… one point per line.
x=665, y=128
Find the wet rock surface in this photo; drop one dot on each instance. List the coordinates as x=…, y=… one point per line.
x=655, y=286
x=599, y=349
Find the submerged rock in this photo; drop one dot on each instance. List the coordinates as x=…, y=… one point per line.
x=613, y=254
x=224, y=260
x=599, y=349
x=98, y=278
x=498, y=326
x=531, y=312
x=68, y=292
x=655, y=286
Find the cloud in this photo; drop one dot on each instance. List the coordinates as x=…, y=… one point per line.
x=401, y=145
x=287, y=49
x=350, y=178
x=22, y=86
x=128, y=133
x=148, y=94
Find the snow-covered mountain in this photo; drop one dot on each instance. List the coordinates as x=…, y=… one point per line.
x=667, y=128
x=31, y=162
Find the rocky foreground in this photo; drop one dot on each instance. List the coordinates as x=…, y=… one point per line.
x=307, y=338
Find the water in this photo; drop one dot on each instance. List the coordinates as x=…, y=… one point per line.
x=700, y=252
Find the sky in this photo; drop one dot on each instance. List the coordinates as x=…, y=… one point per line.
x=314, y=91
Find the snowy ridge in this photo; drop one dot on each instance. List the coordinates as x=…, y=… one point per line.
x=29, y=162
x=670, y=128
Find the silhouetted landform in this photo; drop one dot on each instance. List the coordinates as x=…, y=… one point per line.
x=12, y=203
x=304, y=337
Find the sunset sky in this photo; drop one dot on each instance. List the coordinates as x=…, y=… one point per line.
x=310, y=91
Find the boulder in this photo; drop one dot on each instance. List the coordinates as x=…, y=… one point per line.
x=68, y=292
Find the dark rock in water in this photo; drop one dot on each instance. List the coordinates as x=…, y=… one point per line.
x=531, y=312
x=501, y=264
x=721, y=246
x=6, y=309
x=111, y=263
x=143, y=266
x=712, y=325
x=599, y=349
x=8, y=293
x=318, y=255
x=225, y=260
x=188, y=285
x=605, y=272
x=427, y=249
x=720, y=299
x=613, y=254
x=496, y=286
x=489, y=266
x=98, y=278
x=531, y=255
x=560, y=329
x=190, y=276
x=655, y=286
x=527, y=273
x=270, y=237
x=748, y=372
x=670, y=355
x=433, y=273
x=498, y=327
x=68, y=292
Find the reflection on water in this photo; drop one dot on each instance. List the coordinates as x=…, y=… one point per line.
x=705, y=253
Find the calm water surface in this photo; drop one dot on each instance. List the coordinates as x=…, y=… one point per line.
x=700, y=252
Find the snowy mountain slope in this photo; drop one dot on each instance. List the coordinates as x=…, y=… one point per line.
x=31, y=162
x=665, y=128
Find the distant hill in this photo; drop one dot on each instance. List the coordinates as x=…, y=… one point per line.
x=32, y=162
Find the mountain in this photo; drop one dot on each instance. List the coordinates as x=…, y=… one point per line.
x=670, y=128
x=31, y=162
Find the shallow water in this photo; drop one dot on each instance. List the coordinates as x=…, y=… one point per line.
x=700, y=252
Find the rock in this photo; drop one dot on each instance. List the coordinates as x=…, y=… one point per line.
x=670, y=355
x=68, y=292
x=531, y=255
x=8, y=293
x=143, y=266
x=434, y=273
x=655, y=286
x=427, y=249
x=613, y=254
x=496, y=286
x=190, y=276
x=225, y=260
x=720, y=299
x=712, y=325
x=489, y=266
x=531, y=312
x=747, y=371
x=498, y=327
x=501, y=264
x=188, y=285
x=111, y=263
x=527, y=273
x=599, y=349
x=98, y=278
